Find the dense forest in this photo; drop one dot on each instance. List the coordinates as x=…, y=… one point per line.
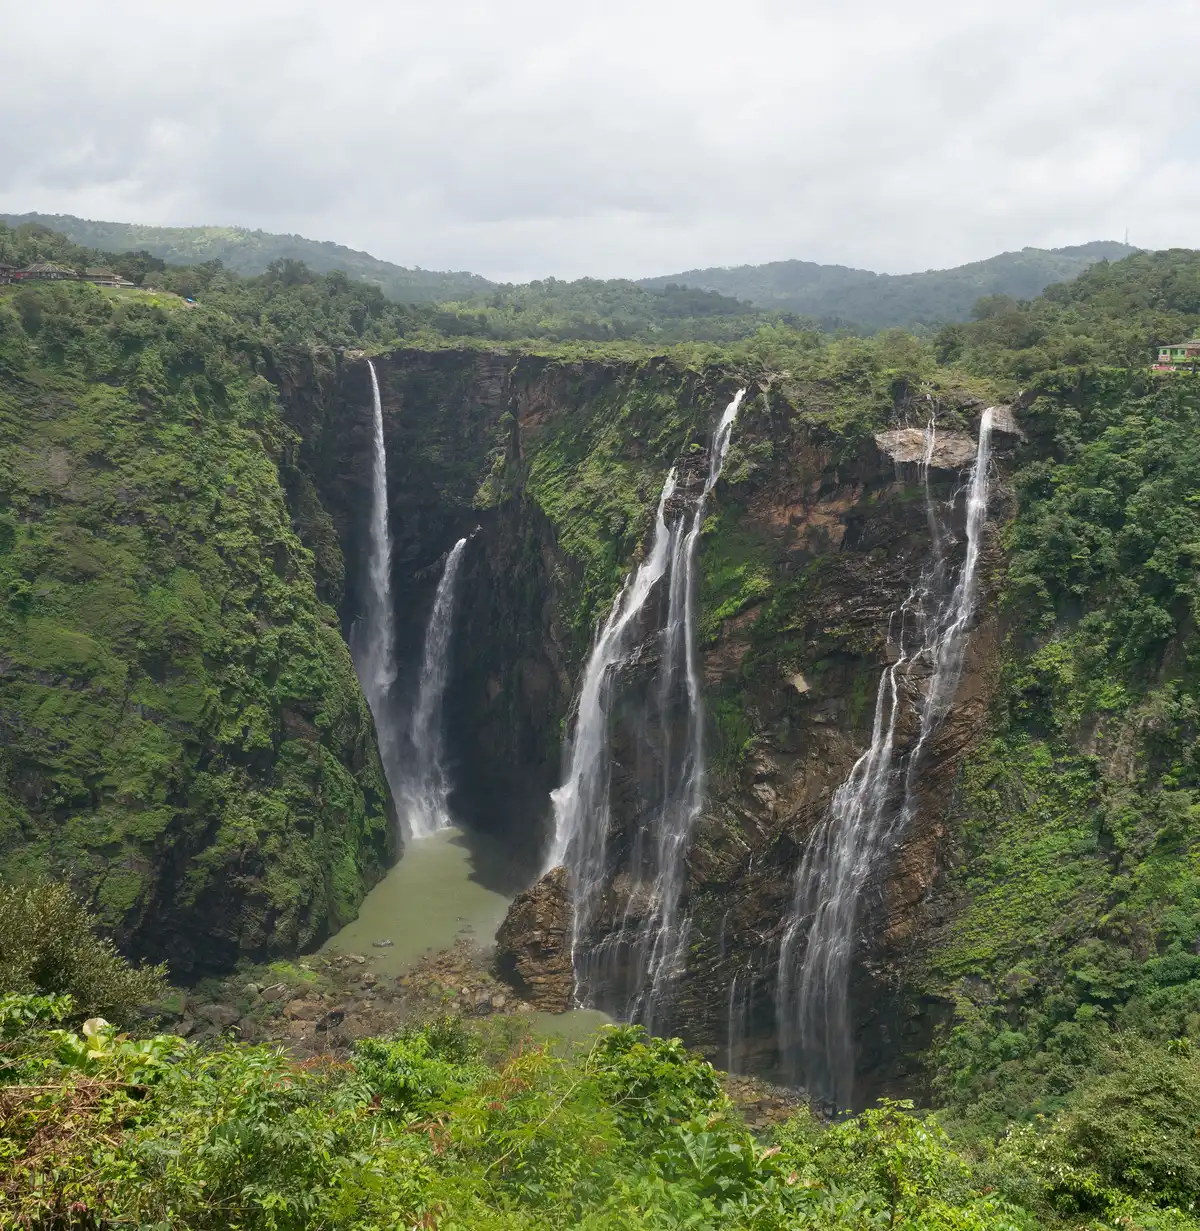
x=184, y=751
x=713, y=304
x=251, y=252
x=840, y=297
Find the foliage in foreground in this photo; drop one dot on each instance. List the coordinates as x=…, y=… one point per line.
x=47, y=944
x=439, y=1128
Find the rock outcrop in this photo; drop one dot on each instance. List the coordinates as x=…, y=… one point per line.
x=832, y=540
x=533, y=945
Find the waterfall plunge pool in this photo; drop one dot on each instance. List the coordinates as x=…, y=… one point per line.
x=431, y=898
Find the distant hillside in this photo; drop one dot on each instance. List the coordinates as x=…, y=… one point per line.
x=833, y=295
x=250, y=252
x=836, y=294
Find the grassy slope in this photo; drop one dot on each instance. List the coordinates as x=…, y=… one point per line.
x=184, y=735
x=250, y=252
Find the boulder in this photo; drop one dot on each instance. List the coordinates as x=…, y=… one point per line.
x=951, y=450
x=533, y=945
x=220, y=1015
x=303, y=1010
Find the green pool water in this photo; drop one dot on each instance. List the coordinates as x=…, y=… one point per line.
x=426, y=902
x=429, y=899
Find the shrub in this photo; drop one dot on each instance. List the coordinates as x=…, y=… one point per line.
x=48, y=944
x=419, y=1071
x=1138, y=1126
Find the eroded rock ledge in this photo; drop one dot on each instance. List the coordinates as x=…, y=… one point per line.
x=533, y=945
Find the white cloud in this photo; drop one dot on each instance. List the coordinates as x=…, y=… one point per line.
x=629, y=137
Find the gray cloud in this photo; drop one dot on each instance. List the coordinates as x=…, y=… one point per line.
x=625, y=138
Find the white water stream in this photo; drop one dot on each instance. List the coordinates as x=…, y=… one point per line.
x=418, y=783
x=927, y=640
x=654, y=942
x=426, y=793
x=373, y=637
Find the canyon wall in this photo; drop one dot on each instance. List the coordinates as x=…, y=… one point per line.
x=182, y=737
x=814, y=538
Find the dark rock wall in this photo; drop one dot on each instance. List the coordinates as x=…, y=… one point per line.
x=814, y=539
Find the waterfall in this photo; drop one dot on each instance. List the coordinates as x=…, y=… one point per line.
x=927, y=638
x=427, y=792
x=664, y=939
x=373, y=637
x=423, y=789
x=581, y=804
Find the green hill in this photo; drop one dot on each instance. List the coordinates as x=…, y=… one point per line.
x=250, y=252
x=834, y=295
x=839, y=295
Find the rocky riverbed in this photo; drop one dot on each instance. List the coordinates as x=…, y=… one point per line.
x=321, y=1004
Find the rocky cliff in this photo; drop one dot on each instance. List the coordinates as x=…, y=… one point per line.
x=181, y=733
x=813, y=540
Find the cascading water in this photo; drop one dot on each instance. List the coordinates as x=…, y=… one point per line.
x=662, y=942
x=927, y=638
x=654, y=942
x=427, y=792
x=373, y=637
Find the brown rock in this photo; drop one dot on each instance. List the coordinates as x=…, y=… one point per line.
x=951, y=450
x=533, y=945
x=220, y=1015
x=304, y=1010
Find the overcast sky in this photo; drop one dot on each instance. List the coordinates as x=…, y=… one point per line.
x=523, y=138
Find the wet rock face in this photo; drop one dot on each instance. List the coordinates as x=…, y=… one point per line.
x=815, y=538
x=843, y=539
x=510, y=686
x=864, y=532
x=449, y=421
x=533, y=945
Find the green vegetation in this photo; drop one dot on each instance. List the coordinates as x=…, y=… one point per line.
x=839, y=297
x=48, y=944
x=253, y=252
x=1114, y=315
x=448, y=1127
x=1079, y=882
x=183, y=741
x=591, y=309
x=184, y=737
x=597, y=471
x=718, y=305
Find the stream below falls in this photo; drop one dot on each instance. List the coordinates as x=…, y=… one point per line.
x=447, y=886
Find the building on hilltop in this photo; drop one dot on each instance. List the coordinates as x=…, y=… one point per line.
x=47, y=271
x=8, y=273
x=105, y=277
x=1179, y=357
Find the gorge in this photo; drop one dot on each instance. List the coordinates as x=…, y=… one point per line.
x=671, y=867
x=826, y=702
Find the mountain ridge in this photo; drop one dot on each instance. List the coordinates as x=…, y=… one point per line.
x=874, y=300
x=249, y=252
x=836, y=296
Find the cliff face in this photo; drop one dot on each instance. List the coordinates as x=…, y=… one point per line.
x=813, y=545
x=549, y=467
x=181, y=734
x=184, y=738
x=814, y=538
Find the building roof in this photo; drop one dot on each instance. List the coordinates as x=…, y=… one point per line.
x=48, y=267
x=99, y=273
